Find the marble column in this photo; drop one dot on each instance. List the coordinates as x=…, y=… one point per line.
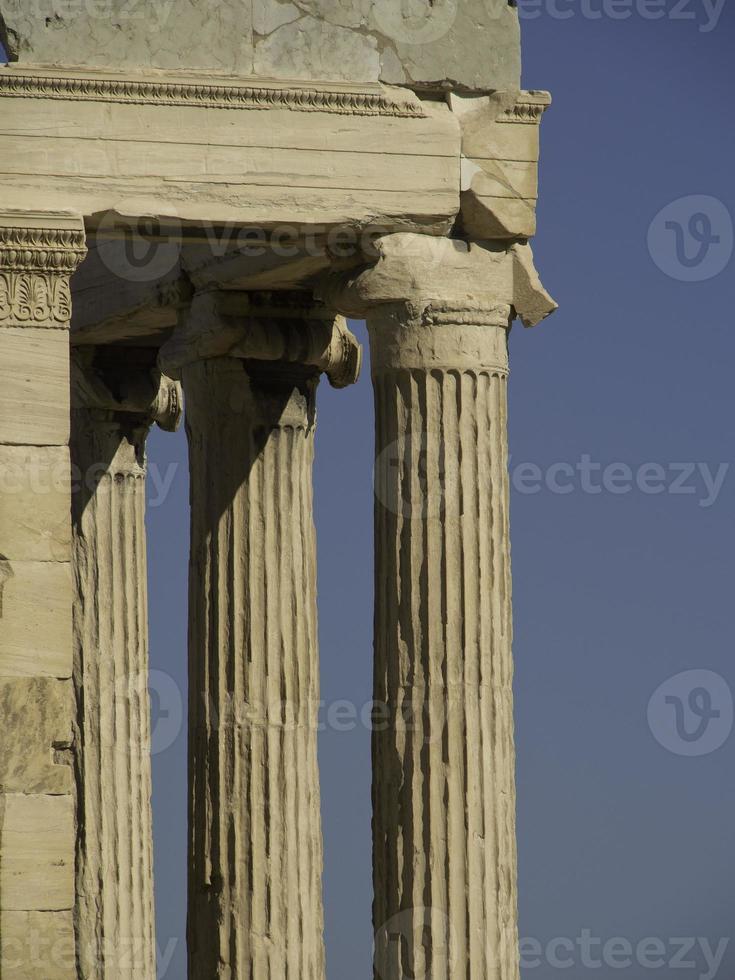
x=38, y=254
x=250, y=367
x=116, y=396
x=439, y=314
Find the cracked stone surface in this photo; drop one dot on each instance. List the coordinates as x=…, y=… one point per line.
x=471, y=45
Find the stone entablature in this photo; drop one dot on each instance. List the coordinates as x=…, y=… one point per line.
x=265, y=152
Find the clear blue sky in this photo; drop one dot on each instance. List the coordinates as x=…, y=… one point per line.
x=615, y=592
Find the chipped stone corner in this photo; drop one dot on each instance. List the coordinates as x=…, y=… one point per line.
x=9, y=40
x=500, y=157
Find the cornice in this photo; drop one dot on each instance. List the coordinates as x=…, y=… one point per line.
x=207, y=93
x=529, y=108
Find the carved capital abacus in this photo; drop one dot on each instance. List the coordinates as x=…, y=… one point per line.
x=36, y=263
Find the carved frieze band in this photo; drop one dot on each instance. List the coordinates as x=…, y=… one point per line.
x=207, y=95
x=35, y=266
x=529, y=108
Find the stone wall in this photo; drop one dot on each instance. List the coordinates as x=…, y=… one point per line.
x=474, y=45
x=37, y=833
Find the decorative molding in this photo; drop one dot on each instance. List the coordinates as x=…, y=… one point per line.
x=472, y=313
x=35, y=266
x=33, y=299
x=33, y=249
x=529, y=108
x=207, y=94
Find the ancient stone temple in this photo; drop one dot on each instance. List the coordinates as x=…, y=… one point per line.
x=193, y=197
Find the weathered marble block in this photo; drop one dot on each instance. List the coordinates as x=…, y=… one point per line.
x=36, y=638
x=29, y=401
x=37, y=846
x=36, y=944
x=469, y=44
x=34, y=518
x=35, y=725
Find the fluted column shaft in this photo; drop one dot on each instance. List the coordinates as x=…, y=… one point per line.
x=114, y=856
x=250, y=364
x=439, y=313
x=256, y=848
x=114, y=918
x=443, y=756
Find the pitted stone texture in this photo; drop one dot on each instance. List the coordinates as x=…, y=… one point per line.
x=35, y=723
x=472, y=44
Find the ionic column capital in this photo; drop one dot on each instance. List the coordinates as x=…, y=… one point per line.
x=286, y=327
x=113, y=382
x=437, y=281
x=38, y=254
